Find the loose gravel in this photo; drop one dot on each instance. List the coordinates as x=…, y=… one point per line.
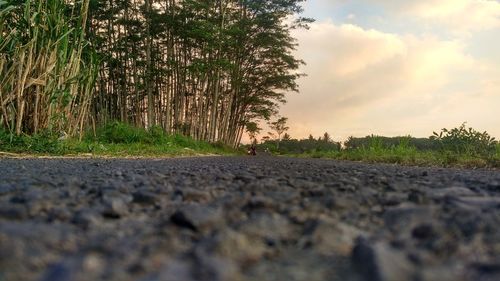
x=246, y=218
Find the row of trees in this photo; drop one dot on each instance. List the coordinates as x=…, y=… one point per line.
x=460, y=140
x=288, y=145
x=202, y=68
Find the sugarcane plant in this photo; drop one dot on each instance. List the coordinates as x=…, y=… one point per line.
x=47, y=67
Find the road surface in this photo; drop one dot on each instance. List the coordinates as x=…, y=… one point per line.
x=246, y=218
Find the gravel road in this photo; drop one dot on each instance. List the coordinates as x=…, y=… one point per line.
x=246, y=218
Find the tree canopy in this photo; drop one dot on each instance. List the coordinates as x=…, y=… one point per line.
x=202, y=68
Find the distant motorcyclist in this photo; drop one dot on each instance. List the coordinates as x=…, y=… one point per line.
x=252, y=150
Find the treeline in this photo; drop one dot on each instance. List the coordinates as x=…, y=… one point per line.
x=461, y=140
x=388, y=142
x=202, y=68
x=288, y=145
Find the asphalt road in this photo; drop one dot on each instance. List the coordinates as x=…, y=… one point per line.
x=246, y=218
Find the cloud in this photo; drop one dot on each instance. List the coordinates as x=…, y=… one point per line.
x=343, y=63
x=457, y=15
x=363, y=81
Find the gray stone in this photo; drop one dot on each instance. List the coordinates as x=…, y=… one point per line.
x=261, y=202
x=451, y=191
x=86, y=218
x=475, y=202
x=194, y=195
x=214, y=268
x=13, y=212
x=378, y=261
x=406, y=216
x=6, y=188
x=332, y=237
x=239, y=247
x=270, y=227
x=145, y=197
x=198, y=218
x=114, y=207
x=77, y=268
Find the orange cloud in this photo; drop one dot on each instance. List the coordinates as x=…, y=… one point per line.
x=456, y=15
x=366, y=81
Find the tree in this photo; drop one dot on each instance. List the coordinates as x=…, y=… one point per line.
x=200, y=68
x=326, y=137
x=286, y=137
x=149, y=64
x=253, y=130
x=279, y=126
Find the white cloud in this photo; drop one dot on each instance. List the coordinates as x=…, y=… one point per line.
x=366, y=81
x=343, y=63
x=351, y=17
x=457, y=15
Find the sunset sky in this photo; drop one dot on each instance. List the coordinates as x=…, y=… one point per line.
x=397, y=67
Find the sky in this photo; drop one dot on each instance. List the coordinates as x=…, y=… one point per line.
x=396, y=68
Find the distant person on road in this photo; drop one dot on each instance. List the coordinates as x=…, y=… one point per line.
x=252, y=150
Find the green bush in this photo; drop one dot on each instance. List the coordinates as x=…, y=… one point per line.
x=375, y=144
x=157, y=135
x=44, y=142
x=184, y=141
x=118, y=132
x=121, y=133
x=463, y=140
x=7, y=139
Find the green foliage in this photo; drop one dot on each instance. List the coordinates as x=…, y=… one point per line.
x=8, y=140
x=462, y=147
x=463, y=140
x=375, y=144
x=408, y=156
x=115, y=139
x=121, y=133
x=252, y=129
x=44, y=142
x=47, y=68
x=294, y=146
x=279, y=126
x=218, y=54
x=388, y=142
x=118, y=132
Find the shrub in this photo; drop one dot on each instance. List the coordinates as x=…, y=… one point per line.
x=157, y=135
x=375, y=143
x=118, y=132
x=463, y=140
x=41, y=142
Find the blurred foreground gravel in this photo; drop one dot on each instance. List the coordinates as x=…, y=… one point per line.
x=246, y=218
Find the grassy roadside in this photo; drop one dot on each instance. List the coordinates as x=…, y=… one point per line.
x=462, y=147
x=410, y=157
x=114, y=140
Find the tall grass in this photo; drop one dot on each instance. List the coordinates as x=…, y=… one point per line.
x=47, y=71
x=114, y=139
x=468, y=155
